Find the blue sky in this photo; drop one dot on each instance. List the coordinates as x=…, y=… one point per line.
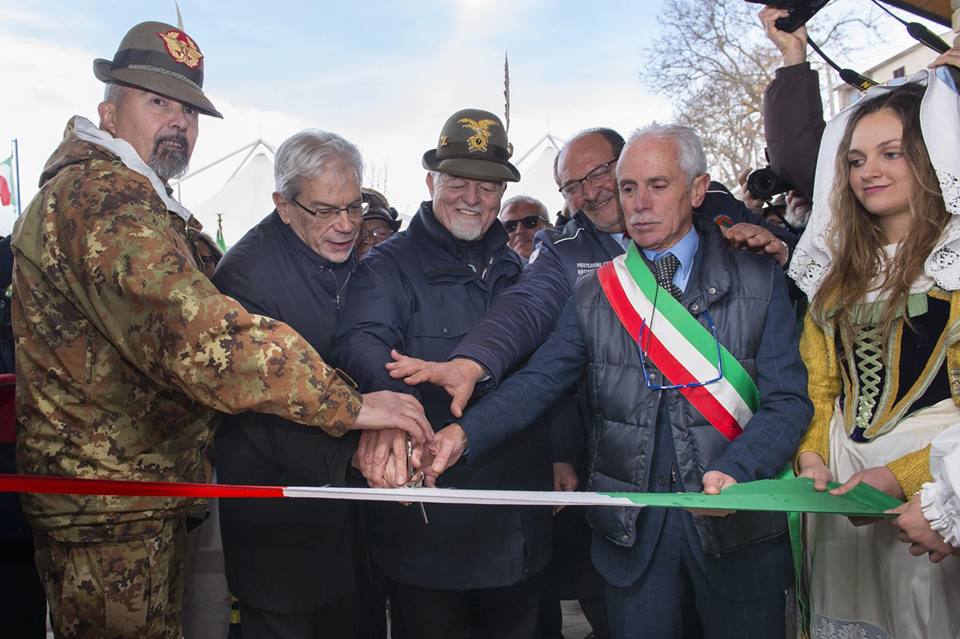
x=385, y=75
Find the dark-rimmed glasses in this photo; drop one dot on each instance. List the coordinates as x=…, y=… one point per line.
x=529, y=222
x=644, y=349
x=574, y=187
x=354, y=210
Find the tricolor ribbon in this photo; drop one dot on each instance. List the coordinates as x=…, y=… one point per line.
x=778, y=495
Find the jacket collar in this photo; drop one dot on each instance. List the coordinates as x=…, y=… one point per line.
x=580, y=220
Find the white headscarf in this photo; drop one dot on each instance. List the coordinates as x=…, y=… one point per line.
x=940, y=126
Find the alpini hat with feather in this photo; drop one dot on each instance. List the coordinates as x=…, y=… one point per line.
x=160, y=58
x=473, y=144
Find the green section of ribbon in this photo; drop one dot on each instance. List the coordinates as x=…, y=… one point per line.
x=776, y=495
x=801, y=595
x=688, y=326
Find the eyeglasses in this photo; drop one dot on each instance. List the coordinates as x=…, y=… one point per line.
x=644, y=349
x=354, y=210
x=573, y=188
x=529, y=222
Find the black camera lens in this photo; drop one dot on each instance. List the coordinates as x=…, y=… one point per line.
x=764, y=184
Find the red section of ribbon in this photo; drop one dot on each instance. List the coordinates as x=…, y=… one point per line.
x=704, y=401
x=73, y=486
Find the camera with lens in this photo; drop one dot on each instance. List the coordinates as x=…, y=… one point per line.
x=764, y=184
x=800, y=11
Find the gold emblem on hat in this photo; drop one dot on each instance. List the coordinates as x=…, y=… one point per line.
x=444, y=140
x=481, y=132
x=181, y=48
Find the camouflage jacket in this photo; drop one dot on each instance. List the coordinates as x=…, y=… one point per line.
x=126, y=351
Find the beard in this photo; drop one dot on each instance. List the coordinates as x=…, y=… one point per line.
x=167, y=162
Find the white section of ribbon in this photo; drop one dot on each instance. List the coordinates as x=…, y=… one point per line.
x=681, y=348
x=454, y=496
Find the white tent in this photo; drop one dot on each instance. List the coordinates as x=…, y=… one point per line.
x=536, y=174
x=245, y=197
x=243, y=200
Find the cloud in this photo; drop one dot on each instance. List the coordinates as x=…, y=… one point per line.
x=392, y=110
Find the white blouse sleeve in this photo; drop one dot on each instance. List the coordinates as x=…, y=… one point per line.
x=940, y=498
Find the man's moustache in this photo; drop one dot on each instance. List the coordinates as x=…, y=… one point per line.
x=179, y=139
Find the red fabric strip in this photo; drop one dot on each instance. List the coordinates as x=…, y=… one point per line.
x=74, y=486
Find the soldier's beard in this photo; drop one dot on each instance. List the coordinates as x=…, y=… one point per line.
x=168, y=162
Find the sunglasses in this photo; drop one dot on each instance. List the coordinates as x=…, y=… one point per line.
x=529, y=222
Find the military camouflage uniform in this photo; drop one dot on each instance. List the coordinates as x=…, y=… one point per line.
x=125, y=351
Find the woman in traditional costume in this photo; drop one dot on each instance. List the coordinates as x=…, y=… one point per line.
x=881, y=264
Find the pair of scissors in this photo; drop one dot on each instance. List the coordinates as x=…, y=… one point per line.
x=416, y=477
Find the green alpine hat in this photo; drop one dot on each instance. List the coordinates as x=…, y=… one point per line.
x=473, y=144
x=161, y=58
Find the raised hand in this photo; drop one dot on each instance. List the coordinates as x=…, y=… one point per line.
x=916, y=531
x=713, y=482
x=793, y=46
x=444, y=451
x=811, y=466
x=457, y=377
x=382, y=458
x=757, y=239
x=879, y=477
x=386, y=409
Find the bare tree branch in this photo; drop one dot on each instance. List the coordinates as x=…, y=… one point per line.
x=713, y=62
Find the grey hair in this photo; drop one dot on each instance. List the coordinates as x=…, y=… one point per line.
x=693, y=160
x=113, y=92
x=308, y=154
x=527, y=199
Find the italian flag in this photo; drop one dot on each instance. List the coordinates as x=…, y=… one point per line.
x=8, y=192
x=679, y=345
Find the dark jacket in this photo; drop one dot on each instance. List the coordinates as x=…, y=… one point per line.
x=416, y=294
x=746, y=297
x=284, y=555
x=523, y=317
x=793, y=125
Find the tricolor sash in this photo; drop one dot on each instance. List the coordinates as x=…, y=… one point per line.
x=678, y=345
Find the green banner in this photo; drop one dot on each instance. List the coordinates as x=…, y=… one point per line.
x=776, y=495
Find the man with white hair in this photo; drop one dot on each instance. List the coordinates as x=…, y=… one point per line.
x=293, y=267
x=522, y=216
x=696, y=383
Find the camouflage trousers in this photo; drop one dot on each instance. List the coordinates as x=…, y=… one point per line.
x=114, y=590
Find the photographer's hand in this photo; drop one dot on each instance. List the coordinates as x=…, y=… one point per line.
x=793, y=46
x=950, y=56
